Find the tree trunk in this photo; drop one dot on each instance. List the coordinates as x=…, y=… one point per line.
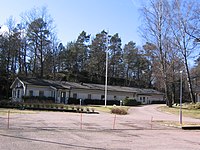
x=192, y=97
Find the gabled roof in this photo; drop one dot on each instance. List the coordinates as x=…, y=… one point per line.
x=86, y=86
x=98, y=87
x=42, y=82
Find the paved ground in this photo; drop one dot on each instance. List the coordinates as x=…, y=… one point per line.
x=141, y=129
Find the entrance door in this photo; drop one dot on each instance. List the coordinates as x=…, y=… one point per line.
x=144, y=100
x=63, y=97
x=18, y=94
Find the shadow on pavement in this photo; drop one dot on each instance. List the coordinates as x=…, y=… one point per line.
x=52, y=142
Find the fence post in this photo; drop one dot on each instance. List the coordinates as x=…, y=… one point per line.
x=114, y=121
x=8, y=123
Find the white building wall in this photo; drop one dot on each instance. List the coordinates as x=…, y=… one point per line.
x=82, y=93
x=96, y=94
x=36, y=89
x=147, y=99
x=156, y=98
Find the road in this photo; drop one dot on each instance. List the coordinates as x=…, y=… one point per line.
x=59, y=130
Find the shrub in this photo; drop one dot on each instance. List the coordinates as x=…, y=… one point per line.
x=82, y=109
x=119, y=111
x=38, y=99
x=131, y=102
x=87, y=109
x=73, y=101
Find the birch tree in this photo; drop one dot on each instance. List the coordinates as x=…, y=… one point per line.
x=183, y=21
x=155, y=30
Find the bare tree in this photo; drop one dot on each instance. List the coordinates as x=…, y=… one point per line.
x=155, y=30
x=183, y=22
x=40, y=27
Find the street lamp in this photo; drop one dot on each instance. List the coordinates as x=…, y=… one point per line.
x=181, y=92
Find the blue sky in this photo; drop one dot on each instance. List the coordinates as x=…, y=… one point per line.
x=71, y=17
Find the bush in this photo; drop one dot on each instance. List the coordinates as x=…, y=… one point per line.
x=38, y=99
x=74, y=101
x=101, y=102
x=9, y=104
x=131, y=102
x=88, y=109
x=119, y=111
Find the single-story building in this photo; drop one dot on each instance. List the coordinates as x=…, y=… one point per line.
x=61, y=91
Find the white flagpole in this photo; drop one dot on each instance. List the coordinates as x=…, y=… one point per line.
x=106, y=78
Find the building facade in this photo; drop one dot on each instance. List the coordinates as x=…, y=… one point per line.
x=61, y=91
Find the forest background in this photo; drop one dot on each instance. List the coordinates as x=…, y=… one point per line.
x=170, y=31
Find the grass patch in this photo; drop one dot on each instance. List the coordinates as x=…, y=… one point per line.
x=176, y=123
x=194, y=113
x=102, y=108
x=4, y=111
x=108, y=109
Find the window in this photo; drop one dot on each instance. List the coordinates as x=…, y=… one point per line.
x=75, y=95
x=89, y=96
x=30, y=93
x=115, y=97
x=102, y=97
x=140, y=98
x=41, y=93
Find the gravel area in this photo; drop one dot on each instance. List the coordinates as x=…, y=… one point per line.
x=140, y=129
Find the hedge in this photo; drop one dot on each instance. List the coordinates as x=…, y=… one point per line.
x=131, y=102
x=38, y=99
x=101, y=102
x=74, y=101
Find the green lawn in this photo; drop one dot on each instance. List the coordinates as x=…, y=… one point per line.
x=4, y=111
x=194, y=113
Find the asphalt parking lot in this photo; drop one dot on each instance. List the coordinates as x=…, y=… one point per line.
x=142, y=128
